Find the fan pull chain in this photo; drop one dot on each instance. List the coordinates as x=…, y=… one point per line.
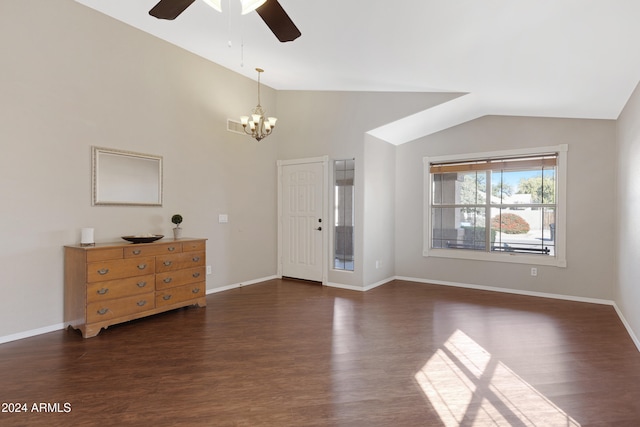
x=241, y=43
x=242, y=52
x=229, y=43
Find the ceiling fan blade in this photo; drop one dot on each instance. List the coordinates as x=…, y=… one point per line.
x=169, y=9
x=278, y=21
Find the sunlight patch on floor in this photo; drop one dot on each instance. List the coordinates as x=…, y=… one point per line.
x=466, y=385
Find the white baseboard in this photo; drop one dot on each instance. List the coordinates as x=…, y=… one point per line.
x=632, y=334
x=31, y=333
x=347, y=287
x=359, y=288
x=380, y=283
x=507, y=290
x=240, y=285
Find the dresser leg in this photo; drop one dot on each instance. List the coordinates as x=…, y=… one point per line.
x=89, y=331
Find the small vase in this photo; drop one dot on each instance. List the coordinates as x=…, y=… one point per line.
x=177, y=233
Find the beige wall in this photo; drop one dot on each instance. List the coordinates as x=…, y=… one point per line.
x=379, y=211
x=590, y=205
x=334, y=124
x=627, y=291
x=71, y=78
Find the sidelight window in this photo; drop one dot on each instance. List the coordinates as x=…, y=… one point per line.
x=344, y=175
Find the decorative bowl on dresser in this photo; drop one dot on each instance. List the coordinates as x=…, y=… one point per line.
x=143, y=239
x=113, y=283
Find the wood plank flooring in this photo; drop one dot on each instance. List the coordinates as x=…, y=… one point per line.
x=286, y=353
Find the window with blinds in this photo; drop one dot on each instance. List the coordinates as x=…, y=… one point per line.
x=495, y=204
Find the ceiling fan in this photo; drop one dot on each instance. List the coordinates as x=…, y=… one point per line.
x=270, y=11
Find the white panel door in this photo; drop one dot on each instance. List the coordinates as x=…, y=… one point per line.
x=302, y=222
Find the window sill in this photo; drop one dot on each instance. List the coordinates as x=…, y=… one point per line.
x=337, y=270
x=496, y=257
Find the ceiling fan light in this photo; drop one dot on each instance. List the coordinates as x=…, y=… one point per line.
x=216, y=4
x=251, y=5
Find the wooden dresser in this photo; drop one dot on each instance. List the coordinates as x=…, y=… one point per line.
x=114, y=283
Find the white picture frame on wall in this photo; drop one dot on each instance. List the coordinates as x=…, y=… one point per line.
x=125, y=178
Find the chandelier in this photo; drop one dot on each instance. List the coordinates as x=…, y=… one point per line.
x=258, y=126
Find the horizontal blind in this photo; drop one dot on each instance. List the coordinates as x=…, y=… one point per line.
x=512, y=163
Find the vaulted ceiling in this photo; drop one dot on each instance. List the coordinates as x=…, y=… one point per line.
x=544, y=58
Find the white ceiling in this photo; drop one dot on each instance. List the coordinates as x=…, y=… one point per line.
x=546, y=58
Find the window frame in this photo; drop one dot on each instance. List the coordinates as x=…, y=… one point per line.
x=557, y=260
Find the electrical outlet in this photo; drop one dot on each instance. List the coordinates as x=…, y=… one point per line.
x=208, y=269
x=534, y=271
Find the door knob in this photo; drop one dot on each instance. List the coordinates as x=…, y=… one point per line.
x=319, y=228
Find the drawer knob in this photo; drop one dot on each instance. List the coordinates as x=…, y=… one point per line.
x=167, y=279
x=141, y=303
x=167, y=263
x=103, y=311
x=196, y=258
x=137, y=251
x=195, y=290
x=171, y=249
x=102, y=291
x=103, y=271
x=196, y=274
x=141, y=284
x=142, y=266
x=166, y=297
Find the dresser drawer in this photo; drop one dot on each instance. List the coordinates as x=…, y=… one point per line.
x=141, y=251
x=103, y=254
x=111, y=309
x=118, y=269
x=101, y=291
x=198, y=245
x=179, y=261
x=180, y=293
x=174, y=278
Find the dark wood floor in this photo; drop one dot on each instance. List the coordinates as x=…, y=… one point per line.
x=286, y=353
